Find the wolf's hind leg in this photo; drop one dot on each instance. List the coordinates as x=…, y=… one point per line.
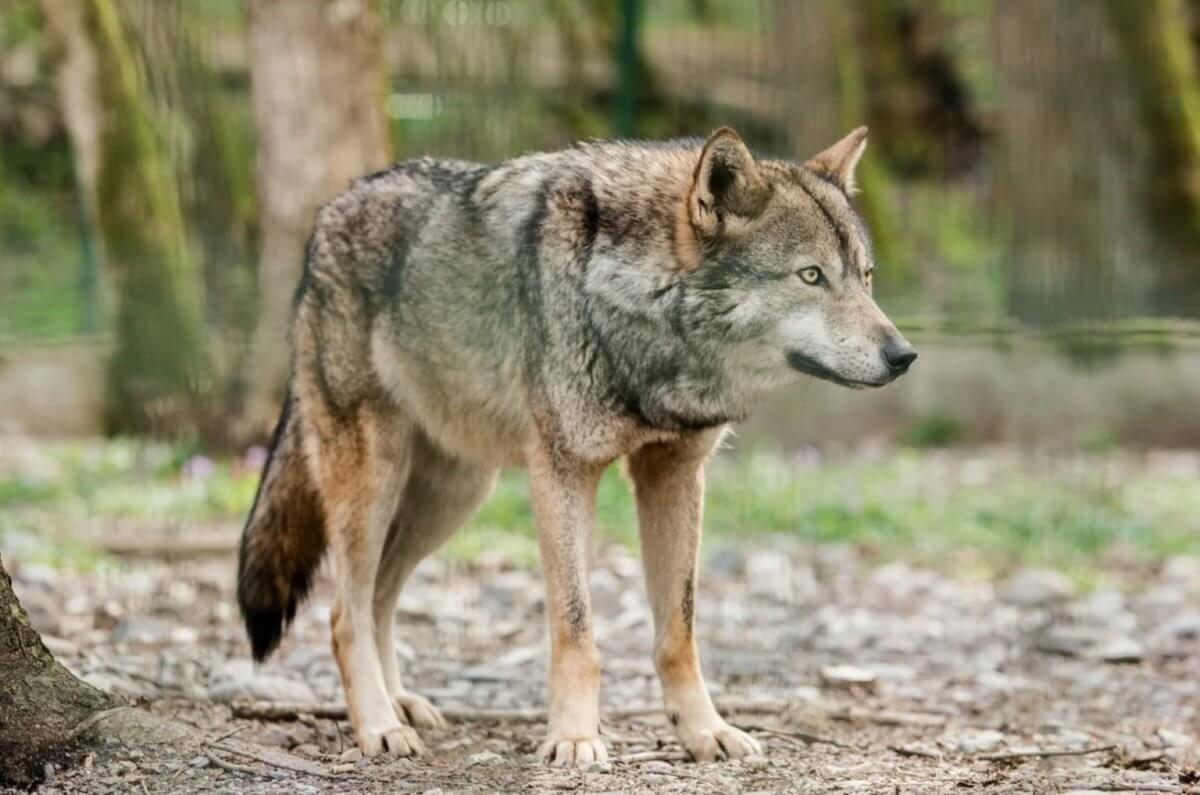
x=363, y=461
x=669, y=484
x=441, y=493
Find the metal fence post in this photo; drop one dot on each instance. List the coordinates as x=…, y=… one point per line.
x=627, y=76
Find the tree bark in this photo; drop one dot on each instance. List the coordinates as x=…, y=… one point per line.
x=129, y=188
x=1160, y=57
x=317, y=83
x=41, y=703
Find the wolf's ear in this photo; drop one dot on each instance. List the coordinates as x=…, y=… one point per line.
x=838, y=161
x=726, y=181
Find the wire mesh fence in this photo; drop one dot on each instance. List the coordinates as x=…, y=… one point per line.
x=1031, y=166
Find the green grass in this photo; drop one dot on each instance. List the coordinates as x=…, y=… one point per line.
x=973, y=511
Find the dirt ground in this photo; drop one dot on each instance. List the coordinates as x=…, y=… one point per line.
x=858, y=676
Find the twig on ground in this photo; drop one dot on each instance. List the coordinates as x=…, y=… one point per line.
x=227, y=735
x=308, y=770
x=285, y=710
x=1128, y=786
x=1043, y=753
x=887, y=717
x=632, y=712
x=654, y=756
x=233, y=767
x=811, y=739
x=911, y=750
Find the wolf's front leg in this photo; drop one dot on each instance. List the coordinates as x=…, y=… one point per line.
x=669, y=482
x=564, y=494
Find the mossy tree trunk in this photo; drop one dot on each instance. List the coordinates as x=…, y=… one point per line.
x=1156, y=41
x=317, y=89
x=159, y=366
x=211, y=150
x=41, y=703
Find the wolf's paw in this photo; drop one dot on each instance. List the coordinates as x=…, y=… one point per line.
x=720, y=741
x=572, y=752
x=415, y=710
x=394, y=740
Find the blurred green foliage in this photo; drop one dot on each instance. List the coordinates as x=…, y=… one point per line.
x=935, y=428
x=991, y=509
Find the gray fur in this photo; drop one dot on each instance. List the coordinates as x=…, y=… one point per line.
x=548, y=286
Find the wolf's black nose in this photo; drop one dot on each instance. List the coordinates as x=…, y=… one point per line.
x=899, y=355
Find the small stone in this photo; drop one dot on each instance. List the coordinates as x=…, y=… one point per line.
x=199, y=761
x=1068, y=640
x=1036, y=588
x=657, y=779
x=848, y=676
x=1182, y=569
x=1173, y=739
x=484, y=758
x=658, y=766
x=145, y=630
x=351, y=755
x=274, y=736
x=772, y=575
x=977, y=741
x=1183, y=626
x=756, y=762
x=237, y=679
x=345, y=768
x=1120, y=650
x=600, y=767
x=310, y=750
x=60, y=647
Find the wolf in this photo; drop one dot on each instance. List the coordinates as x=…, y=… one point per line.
x=559, y=312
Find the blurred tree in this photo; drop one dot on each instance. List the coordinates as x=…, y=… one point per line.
x=915, y=93
x=159, y=365
x=823, y=68
x=1072, y=164
x=1155, y=36
x=211, y=141
x=41, y=702
x=318, y=82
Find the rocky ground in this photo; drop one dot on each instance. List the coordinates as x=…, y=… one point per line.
x=858, y=675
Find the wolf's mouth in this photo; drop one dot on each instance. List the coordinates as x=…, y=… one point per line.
x=798, y=361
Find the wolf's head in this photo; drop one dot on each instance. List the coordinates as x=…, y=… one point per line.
x=782, y=267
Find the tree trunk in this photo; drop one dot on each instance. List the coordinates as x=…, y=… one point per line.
x=126, y=178
x=1072, y=165
x=1159, y=53
x=822, y=68
x=317, y=78
x=41, y=703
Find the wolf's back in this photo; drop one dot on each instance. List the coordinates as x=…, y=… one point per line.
x=283, y=541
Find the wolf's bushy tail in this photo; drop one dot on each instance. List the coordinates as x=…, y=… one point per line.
x=284, y=538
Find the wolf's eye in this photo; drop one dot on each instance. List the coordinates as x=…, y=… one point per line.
x=811, y=275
